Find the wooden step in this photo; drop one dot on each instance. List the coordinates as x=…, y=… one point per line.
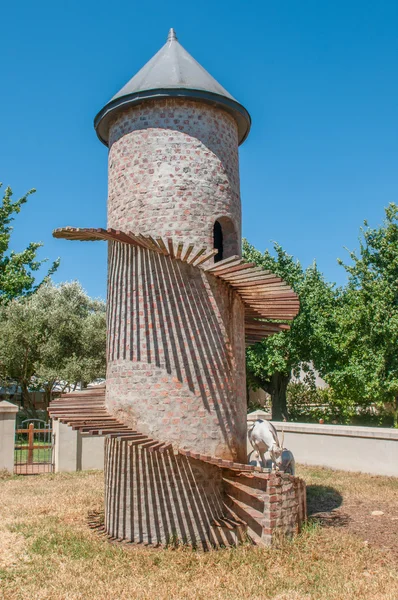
x=244, y=493
x=225, y=532
x=251, y=516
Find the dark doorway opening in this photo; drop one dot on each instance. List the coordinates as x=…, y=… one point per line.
x=218, y=241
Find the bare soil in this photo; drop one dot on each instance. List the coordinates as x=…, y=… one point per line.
x=349, y=502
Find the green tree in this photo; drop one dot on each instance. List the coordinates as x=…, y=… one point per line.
x=365, y=339
x=17, y=268
x=56, y=334
x=271, y=362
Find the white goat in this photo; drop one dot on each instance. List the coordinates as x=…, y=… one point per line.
x=264, y=438
x=288, y=462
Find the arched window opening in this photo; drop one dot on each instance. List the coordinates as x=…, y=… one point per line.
x=225, y=239
x=218, y=241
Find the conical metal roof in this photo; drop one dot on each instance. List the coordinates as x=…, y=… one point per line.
x=172, y=72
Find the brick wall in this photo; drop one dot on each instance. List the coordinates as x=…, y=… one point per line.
x=176, y=350
x=160, y=498
x=176, y=353
x=174, y=170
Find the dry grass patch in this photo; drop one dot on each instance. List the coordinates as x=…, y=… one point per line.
x=348, y=500
x=62, y=559
x=353, y=486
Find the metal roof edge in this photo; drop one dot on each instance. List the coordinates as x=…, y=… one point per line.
x=237, y=110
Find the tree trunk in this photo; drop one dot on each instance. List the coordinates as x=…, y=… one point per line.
x=48, y=393
x=396, y=412
x=277, y=389
x=26, y=399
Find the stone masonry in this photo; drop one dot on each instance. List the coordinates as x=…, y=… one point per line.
x=175, y=336
x=175, y=400
x=174, y=170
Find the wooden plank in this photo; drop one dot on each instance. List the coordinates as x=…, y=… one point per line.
x=162, y=246
x=137, y=241
x=93, y=407
x=279, y=316
x=286, y=298
x=78, y=401
x=80, y=397
x=188, y=252
x=149, y=443
x=284, y=305
x=221, y=263
x=80, y=409
x=104, y=431
x=196, y=256
x=151, y=245
x=258, y=325
x=271, y=289
x=82, y=414
x=254, y=281
x=271, y=286
x=242, y=274
x=103, y=427
x=238, y=268
x=170, y=247
x=80, y=426
x=83, y=422
x=139, y=441
x=273, y=294
x=99, y=401
x=206, y=257
x=88, y=394
x=156, y=447
x=254, y=330
x=70, y=400
x=155, y=245
x=165, y=447
x=118, y=235
x=123, y=436
x=179, y=250
x=281, y=305
x=264, y=315
x=270, y=309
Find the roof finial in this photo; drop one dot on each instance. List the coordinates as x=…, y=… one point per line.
x=172, y=37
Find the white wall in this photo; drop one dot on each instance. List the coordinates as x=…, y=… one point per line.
x=76, y=452
x=8, y=413
x=366, y=449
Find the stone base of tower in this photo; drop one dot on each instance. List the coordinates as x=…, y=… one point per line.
x=161, y=498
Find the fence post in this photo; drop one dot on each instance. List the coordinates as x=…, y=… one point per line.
x=31, y=438
x=8, y=414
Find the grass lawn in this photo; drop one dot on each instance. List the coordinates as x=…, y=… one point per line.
x=47, y=550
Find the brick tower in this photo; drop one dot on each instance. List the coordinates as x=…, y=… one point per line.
x=182, y=305
x=176, y=365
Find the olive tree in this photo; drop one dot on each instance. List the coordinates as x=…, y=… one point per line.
x=56, y=334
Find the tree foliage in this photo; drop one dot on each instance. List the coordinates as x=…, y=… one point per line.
x=56, y=334
x=271, y=362
x=365, y=337
x=17, y=269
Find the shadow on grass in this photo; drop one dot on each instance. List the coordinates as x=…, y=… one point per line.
x=323, y=502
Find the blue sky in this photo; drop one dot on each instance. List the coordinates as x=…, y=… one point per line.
x=318, y=78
